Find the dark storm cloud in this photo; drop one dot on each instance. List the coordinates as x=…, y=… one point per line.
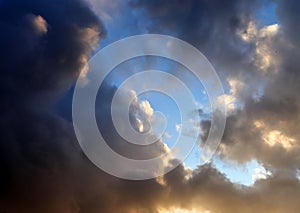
x=44, y=46
x=211, y=26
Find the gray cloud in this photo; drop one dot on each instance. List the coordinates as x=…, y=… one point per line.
x=42, y=166
x=266, y=128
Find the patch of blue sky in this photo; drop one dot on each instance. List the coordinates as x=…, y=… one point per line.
x=193, y=160
x=124, y=22
x=266, y=15
x=298, y=174
x=244, y=174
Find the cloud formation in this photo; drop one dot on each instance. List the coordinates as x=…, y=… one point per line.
x=47, y=43
x=265, y=128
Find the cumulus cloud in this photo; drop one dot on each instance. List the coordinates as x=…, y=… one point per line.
x=140, y=114
x=260, y=173
x=265, y=56
x=261, y=72
x=42, y=167
x=265, y=128
x=228, y=100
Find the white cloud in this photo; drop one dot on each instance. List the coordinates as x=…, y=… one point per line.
x=270, y=30
x=178, y=127
x=39, y=23
x=260, y=173
x=229, y=101
x=276, y=137
x=265, y=55
x=146, y=107
x=250, y=33
x=167, y=135
x=235, y=86
x=91, y=37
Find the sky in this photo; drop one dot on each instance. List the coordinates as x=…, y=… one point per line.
x=252, y=45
